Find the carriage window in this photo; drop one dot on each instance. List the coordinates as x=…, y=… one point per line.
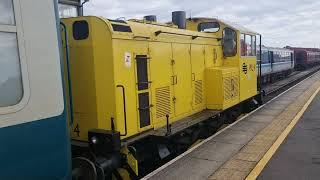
x=276, y=56
x=10, y=74
x=66, y=11
x=209, y=27
x=6, y=12
x=265, y=57
x=11, y=90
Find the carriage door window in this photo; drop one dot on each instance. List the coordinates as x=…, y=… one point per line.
x=11, y=90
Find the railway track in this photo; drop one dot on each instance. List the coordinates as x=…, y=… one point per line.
x=271, y=91
x=274, y=89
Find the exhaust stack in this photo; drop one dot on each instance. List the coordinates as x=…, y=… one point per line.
x=179, y=19
x=151, y=18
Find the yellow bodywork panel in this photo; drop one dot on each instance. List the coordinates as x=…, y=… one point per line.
x=162, y=82
x=91, y=74
x=248, y=77
x=125, y=75
x=197, y=76
x=181, y=67
x=223, y=85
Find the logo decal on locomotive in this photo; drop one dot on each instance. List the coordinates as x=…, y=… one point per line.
x=244, y=68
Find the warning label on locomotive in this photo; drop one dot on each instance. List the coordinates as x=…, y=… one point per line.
x=127, y=59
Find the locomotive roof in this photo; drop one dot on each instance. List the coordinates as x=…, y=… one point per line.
x=230, y=24
x=151, y=30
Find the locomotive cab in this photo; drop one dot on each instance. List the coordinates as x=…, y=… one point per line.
x=238, y=55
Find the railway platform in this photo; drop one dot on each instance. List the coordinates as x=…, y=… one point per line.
x=264, y=144
x=298, y=157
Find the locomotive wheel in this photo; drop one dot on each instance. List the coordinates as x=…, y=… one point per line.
x=83, y=169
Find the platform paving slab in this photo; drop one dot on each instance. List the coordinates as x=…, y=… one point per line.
x=189, y=168
x=249, y=126
x=261, y=118
x=234, y=137
x=216, y=151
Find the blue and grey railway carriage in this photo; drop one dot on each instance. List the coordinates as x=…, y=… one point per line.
x=276, y=62
x=33, y=129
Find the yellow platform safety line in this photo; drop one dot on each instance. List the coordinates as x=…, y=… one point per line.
x=266, y=158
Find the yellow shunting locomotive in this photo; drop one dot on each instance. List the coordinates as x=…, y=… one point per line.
x=143, y=91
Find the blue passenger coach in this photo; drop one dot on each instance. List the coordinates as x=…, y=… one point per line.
x=33, y=129
x=275, y=62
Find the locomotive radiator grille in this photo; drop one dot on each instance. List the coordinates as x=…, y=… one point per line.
x=198, y=92
x=227, y=88
x=236, y=86
x=163, y=107
x=231, y=88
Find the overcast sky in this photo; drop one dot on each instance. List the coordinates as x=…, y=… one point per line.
x=281, y=22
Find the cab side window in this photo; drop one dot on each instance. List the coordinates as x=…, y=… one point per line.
x=209, y=27
x=11, y=90
x=243, y=45
x=229, y=42
x=248, y=45
x=248, y=40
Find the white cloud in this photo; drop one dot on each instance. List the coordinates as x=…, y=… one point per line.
x=286, y=22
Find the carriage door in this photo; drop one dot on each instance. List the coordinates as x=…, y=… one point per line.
x=272, y=59
x=197, y=76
